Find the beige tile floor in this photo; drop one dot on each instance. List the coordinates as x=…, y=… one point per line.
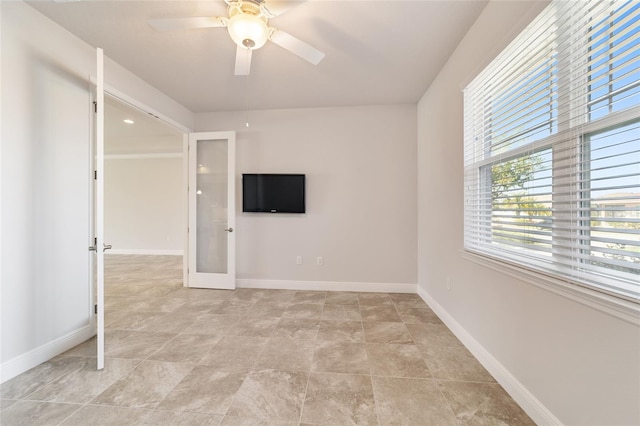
x=177, y=356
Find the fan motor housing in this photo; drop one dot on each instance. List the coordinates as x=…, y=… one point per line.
x=247, y=26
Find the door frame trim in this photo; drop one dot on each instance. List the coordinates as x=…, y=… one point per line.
x=230, y=136
x=113, y=93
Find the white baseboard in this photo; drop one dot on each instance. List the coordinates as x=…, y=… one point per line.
x=37, y=356
x=146, y=252
x=327, y=286
x=529, y=403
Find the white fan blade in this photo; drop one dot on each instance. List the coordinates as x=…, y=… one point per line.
x=171, y=24
x=243, y=61
x=297, y=46
x=273, y=8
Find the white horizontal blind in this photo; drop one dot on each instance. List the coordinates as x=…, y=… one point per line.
x=552, y=148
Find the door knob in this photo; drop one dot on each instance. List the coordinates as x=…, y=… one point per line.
x=228, y=229
x=106, y=247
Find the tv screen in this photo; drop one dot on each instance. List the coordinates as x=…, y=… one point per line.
x=273, y=193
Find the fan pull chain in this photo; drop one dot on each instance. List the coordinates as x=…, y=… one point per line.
x=246, y=96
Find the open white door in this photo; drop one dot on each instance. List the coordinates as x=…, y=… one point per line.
x=99, y=245
x=212, y=243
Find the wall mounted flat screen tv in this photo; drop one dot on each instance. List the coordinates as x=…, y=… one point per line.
x=273, y=193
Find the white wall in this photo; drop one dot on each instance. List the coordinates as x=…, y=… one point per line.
x=361, y=193
x=567, y=361
x=144, y=204
x=45, y=183
x=45, y=216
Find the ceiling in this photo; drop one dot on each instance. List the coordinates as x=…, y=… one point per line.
x=377, y=52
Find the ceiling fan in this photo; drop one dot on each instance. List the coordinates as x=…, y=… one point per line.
x=248, y=26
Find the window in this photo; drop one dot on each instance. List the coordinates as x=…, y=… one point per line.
x=552, y=148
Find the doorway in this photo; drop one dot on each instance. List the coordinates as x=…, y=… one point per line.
x=144, y=213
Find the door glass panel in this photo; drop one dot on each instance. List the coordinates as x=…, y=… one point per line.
x=211, y=206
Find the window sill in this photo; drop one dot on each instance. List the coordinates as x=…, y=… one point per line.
x=620, y=308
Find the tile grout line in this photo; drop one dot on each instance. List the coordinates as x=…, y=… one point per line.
x=140, y=361
x=72, y=414
x=313, y=357
x=446, y=400
x=252, y=368
x=370, y=375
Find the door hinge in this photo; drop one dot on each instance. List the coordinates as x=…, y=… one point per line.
x=95, y=309
x=95, y=175
x=95, y=107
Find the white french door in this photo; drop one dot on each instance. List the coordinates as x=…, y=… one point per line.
x=98, y=247
x=212, y=260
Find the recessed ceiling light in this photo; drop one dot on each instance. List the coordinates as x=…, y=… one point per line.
x=128, y=121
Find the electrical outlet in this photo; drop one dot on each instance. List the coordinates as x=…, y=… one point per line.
x=298, y=260
x=320, y=261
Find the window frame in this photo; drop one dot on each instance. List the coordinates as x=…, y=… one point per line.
x=558, y=276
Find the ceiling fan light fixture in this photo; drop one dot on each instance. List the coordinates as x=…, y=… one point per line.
x=248, y=31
